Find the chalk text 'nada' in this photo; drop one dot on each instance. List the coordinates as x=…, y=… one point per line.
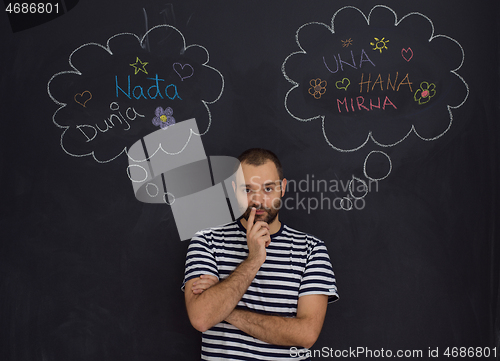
x=152, y=92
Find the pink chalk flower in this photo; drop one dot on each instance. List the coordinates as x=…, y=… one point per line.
x=163, y=118
x=425, y=93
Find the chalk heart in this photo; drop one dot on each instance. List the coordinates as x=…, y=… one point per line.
x=184, y=71
x=83, y=98
x=407, y=54
x=343, y=84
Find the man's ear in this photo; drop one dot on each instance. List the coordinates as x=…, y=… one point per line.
x=234, y=186
x=283, y=186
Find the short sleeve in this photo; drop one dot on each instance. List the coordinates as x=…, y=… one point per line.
x=199, y=259
x=318, y=276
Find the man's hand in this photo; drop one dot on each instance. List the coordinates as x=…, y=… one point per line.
x=258, y=238
x=203, y=283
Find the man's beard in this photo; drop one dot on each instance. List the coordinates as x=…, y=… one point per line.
x=271, y=215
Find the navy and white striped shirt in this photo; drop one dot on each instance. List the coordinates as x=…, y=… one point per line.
x=297, y=264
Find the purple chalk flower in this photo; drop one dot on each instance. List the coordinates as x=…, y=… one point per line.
x=163, y=118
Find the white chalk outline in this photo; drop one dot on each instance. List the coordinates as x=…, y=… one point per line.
x=165, y=199
x=370, y=134
x=342, y=204
x=147, y=190
x=351, y=187
x=130, y=177
x=108, y=49
x=366, y=159
x=160, y=147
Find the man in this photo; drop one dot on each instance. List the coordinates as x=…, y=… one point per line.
x=256, y=287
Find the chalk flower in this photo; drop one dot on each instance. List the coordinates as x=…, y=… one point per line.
x=163, y=117
x=318, y=87
x=425, y=93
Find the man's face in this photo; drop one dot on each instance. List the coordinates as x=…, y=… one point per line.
x=263, y=190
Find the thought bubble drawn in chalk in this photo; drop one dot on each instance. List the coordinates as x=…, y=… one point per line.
x=387, y=61
x=377, y=166
x=126, y=80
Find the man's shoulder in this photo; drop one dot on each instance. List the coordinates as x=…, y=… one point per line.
x=295, y=234
x=221, y=230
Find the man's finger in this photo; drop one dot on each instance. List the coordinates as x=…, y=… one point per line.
x=251, y=218
x=260, y=231
x=262, y=224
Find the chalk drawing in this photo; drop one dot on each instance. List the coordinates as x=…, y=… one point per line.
x=379, y=44
x=374, y=77
x=139, y=66
x=407, y=54
x=138, y=167
x=83, y=98
x=166, y=198
x=425, y=93
x=154, y=187
x=369, y=136
x=163, y=117
x=346, y=43
x=129, y=90
x=343, y=84
x=183, y=74
x=318, y=87
x=352, y=187
x=388, y=164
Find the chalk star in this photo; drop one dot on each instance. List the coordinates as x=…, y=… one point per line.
x=141, y=67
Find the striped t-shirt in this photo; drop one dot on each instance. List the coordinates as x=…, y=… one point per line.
x=297, y=264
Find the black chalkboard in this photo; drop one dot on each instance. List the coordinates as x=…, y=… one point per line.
x=384, y=115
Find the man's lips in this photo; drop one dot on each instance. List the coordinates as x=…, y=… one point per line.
x=260, y=211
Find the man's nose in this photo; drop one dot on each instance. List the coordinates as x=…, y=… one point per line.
x=256, y=198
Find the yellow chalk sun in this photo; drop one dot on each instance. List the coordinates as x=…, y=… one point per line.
x=379, y=44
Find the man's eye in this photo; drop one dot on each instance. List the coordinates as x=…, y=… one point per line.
x=247, y=190
x=268, y=189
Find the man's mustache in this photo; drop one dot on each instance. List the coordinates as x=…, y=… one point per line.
x=257, y=208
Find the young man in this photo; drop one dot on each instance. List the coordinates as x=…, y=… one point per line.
x=256, y=287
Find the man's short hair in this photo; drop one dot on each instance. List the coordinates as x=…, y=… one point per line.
x=259, y=156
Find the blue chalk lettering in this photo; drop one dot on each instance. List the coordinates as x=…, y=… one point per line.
x=118, y=88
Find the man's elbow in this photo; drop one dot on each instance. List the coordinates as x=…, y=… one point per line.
x=308, y=342
x=199, y=319
x=309, y=338
x=199, y=323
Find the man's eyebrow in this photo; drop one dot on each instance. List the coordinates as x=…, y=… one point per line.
x=248, y=185
x=270, y=183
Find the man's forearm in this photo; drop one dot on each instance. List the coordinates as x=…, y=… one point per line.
x=216, y=303
x=276, y=330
